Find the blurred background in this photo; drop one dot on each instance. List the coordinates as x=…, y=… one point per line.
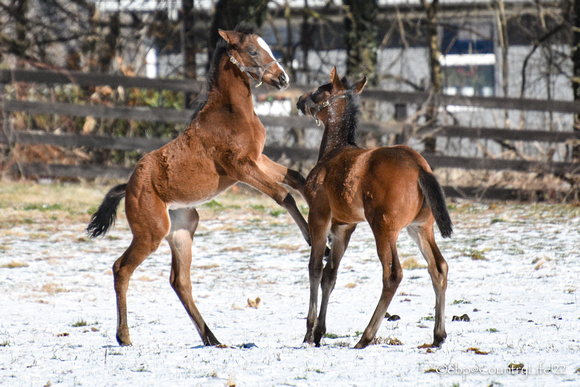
x=486, y=90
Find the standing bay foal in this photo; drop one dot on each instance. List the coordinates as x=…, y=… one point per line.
x=391, y=188
x=222, y=145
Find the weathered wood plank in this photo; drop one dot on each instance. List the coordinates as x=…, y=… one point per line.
x=188, y=85
x=511, y=194
x=96, y=79
x=478, y=102
x=99, y=111
x=502, y=134
x=558, y=168
x=80, y=140
x=43, y=170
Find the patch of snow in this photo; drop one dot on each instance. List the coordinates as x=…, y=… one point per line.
x=58, y=315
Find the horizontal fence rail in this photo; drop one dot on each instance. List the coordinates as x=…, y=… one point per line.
x=95, y=79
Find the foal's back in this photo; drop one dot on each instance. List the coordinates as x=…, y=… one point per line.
x=358, y=183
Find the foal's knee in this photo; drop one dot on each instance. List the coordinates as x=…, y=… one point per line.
x=315, y=268
x=394, y=279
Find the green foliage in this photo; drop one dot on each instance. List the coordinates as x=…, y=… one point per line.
x=43, y=207
x=213, y=205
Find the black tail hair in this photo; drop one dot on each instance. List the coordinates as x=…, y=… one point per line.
x=106, y=214
x=436, y=200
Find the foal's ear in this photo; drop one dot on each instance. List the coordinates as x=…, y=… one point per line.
x=359, y=86
x=232, y=37
x=334, y=78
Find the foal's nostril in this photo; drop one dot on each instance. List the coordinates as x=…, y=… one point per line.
x=300, y=104
x=283, y=79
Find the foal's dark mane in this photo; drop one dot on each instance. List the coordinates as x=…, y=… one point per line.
x=213, y=72
x=351, y=115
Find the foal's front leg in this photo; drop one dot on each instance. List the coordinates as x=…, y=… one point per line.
x=282, y=174
x=247, y=171
x=318, y=229
x=340, y=237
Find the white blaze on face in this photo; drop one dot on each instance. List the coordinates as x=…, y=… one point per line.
x=265, y=46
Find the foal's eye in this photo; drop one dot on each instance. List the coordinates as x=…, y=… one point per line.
x=253, y=53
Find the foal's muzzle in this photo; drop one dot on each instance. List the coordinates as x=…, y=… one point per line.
x=310, y=108
x=283, y=81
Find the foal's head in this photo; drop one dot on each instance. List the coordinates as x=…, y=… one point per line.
x=252, y=55
x=320, y=102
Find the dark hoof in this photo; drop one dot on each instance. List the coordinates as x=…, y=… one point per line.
x=212, y=343
x=208, y=337
x=124, y=342
x=318, y=334
x=438, y=340
x=394, y=317
x=210, y=340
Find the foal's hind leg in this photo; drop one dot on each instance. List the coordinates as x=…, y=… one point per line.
x=340, y=237
x=180, y=238
x=424, y=237
x=149, y=224
x=392, y=275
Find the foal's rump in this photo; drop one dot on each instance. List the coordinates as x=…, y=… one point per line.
x=405, y=173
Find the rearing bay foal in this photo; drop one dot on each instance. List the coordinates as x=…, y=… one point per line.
x=222, y=145
x=391, y=188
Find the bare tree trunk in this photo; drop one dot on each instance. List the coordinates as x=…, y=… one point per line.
x=576, y=71
x=20, y=10
x=229, y=13
x=361, y=39
x=503, y=43
x=436, y=74
x=109, y=45
x=188, y=45
x=188, y=39
x=305, y=42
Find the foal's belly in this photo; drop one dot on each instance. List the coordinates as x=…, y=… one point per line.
x=352, y=212
x=194, y=195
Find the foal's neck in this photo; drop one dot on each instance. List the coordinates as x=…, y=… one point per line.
x=232, y=89
x=338, y=131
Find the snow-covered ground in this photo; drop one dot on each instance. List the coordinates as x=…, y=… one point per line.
x=514, y=270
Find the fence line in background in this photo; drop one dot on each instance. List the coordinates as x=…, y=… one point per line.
x=28, y=137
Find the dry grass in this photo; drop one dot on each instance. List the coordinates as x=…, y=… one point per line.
x=45, y=206
x=14, y=265
x=558, y=189
x=412, y=264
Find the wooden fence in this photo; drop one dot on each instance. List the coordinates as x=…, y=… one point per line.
x=26, y=137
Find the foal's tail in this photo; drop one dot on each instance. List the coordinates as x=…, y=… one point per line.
x=436, y=200
x=106, y=214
